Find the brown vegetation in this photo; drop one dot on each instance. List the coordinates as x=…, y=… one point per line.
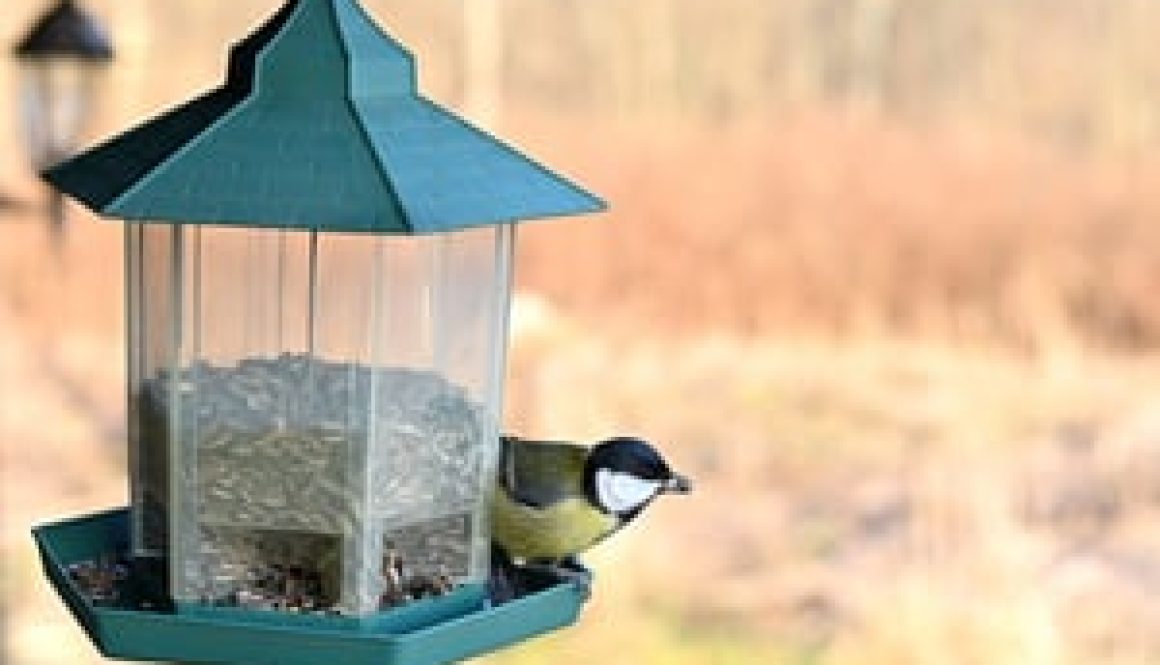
x=845, y=227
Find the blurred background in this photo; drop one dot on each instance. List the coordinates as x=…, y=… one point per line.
x=882, y=275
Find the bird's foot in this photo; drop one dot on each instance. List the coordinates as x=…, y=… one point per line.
x=511, y=580
x=565, y=571
x=504, y=582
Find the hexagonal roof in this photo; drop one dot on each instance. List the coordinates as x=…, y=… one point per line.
x=319, y=125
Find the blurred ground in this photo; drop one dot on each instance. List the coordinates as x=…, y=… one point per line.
x=899, y=320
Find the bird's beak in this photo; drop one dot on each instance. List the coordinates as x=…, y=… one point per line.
x=677, y=485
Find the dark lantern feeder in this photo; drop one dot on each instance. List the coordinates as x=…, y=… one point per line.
x=61, y=58
x=319, y=266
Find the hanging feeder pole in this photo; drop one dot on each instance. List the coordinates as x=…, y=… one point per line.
x=483, y=26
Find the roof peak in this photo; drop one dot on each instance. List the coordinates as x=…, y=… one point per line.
x=322, y=49
x=320, y=125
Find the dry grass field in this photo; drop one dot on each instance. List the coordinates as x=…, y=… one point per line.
x=909, y=348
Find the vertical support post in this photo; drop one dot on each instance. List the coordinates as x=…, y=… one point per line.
x=363, y=549
x=134, y=304
x=186, y=570
x=251, y=296
x=439, y=247
x=181, y=528
x=195, y=293
x=177, y=257
x=312, y=297
x=281, y=305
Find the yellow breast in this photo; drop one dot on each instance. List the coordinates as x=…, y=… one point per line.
x=568, y=527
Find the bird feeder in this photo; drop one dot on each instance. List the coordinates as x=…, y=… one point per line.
x=60, y=58
x=319, y=269
x=61, y=61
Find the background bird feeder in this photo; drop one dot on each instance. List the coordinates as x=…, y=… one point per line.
x=319, y=266
x=61, y=59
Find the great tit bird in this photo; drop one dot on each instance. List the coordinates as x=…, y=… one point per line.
x=554, y=500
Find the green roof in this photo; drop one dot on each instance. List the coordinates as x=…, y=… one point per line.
x=319, y=126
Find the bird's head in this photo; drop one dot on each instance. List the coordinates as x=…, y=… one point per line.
x=624, y=474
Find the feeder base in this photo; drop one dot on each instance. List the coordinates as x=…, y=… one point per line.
x=442, y=630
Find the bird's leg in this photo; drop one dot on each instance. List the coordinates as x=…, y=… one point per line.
x=502, y=584
x=567, y=570
x=510, y=580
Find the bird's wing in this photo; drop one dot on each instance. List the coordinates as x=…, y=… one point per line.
x=541, y=473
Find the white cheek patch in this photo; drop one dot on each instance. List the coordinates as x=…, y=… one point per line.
x=621, y=492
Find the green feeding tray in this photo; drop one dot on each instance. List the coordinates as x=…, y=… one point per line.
x=442, y=630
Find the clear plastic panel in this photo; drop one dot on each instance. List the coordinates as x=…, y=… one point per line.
x=343, y=383
x=333, y=410
x=151, y=314
x=261, y=456
x=471, y=286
